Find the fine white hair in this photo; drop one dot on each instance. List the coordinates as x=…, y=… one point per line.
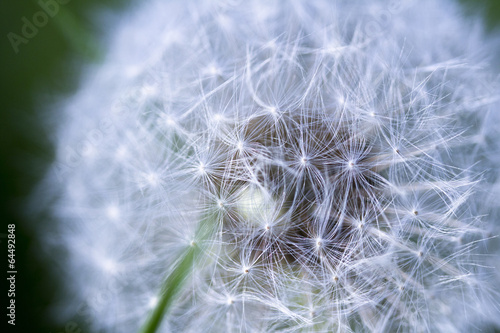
x=339, y=154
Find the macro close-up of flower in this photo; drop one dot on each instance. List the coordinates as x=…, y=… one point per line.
x=280, y=166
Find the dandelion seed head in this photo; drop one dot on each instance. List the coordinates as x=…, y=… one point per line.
x=218, y=118
x=319, y=243
x=153, y=301
x=121, y=153
x=169, y=121
x=327, y=170
x=108, y=265
x=201, y=168
x=152, y=179
x=113, y=212
x=240, y=146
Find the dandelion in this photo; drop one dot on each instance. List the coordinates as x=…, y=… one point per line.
x=302, y=166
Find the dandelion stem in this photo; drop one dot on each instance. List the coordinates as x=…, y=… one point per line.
x=171, y=287
x=178, y=276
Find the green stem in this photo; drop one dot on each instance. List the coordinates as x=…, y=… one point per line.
x=171, y=287
x=175, y=280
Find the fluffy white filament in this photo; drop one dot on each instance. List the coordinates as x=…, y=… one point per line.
x=337, y=148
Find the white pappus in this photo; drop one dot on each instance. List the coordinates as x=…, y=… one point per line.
x=329, y=160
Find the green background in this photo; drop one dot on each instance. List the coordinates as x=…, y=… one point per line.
x=50, y=64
